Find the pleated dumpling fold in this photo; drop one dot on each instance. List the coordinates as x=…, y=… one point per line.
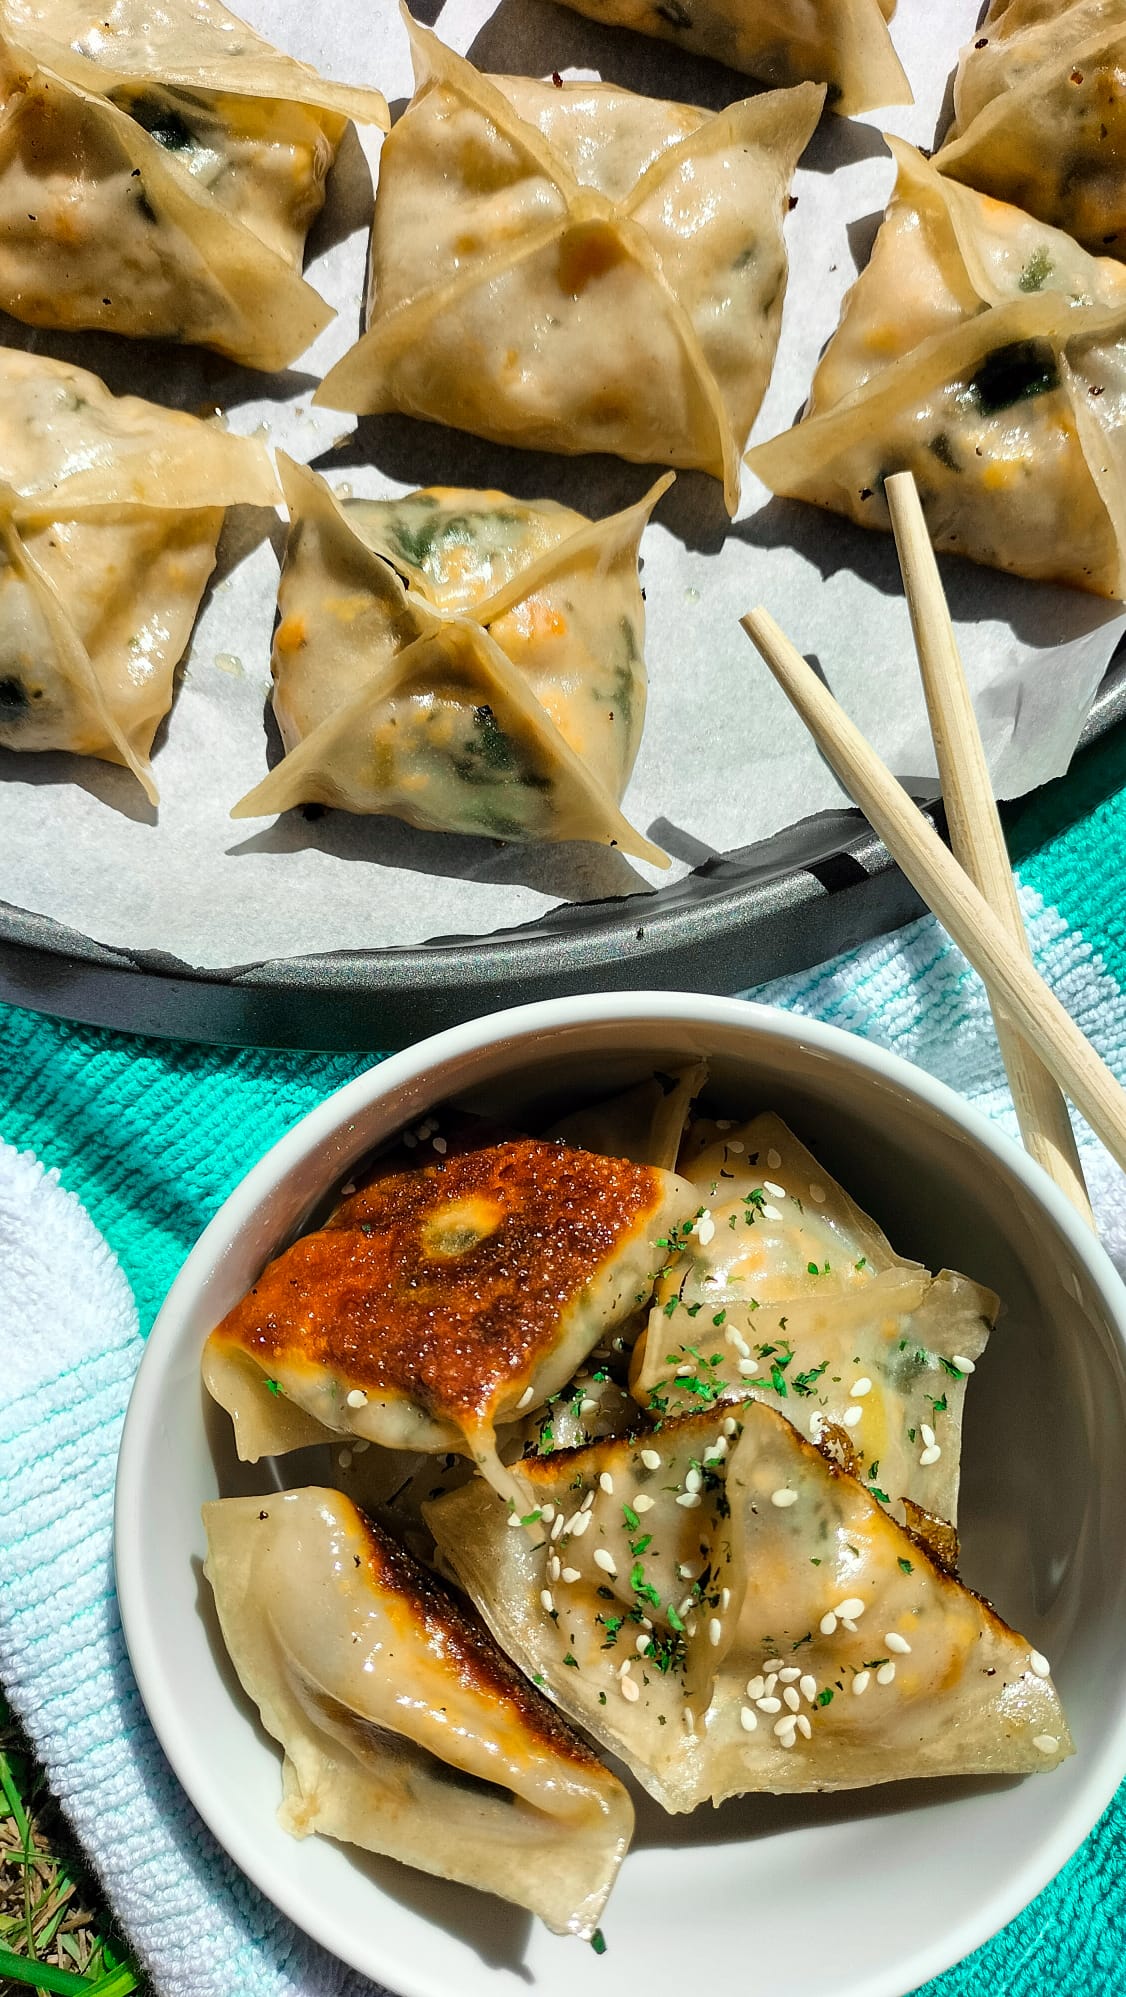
x=1040, y=115
x=110, y=510
x=986, y=353
x=842, y=43
x=160, y=168
x=465, y=661
x=577, y=268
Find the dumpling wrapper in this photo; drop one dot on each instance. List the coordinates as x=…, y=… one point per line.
x=406, y=1731
x=818, y=1579
x=645, y=1123
x=436, y=1305
x=786, y=1290
x=159, y=172
x=462, y=660
x=110, y=510
x=986, y=353
x=1040, y=115
x=842, y=43
x=577, y=269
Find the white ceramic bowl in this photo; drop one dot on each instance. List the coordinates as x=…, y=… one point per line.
x=861, y=1895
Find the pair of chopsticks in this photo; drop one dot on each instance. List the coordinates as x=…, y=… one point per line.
x=970, y=891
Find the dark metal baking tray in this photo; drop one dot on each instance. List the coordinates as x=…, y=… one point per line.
x=739, y=919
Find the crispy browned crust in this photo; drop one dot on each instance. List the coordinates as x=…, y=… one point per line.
x=938, y=1537
x=446, y=1284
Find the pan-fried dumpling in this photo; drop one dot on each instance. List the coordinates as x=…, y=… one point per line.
x=985, y=353
x=436, y=1305
x=577, y=268
x=110, y=509
x=159, y=172
x=843, y=43
x=786, y=1290
x=405, y=1729
x=1040, y=115
x=842, y=1654
x=465, y=661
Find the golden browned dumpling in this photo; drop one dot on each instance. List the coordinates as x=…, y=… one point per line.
x=438, y=1304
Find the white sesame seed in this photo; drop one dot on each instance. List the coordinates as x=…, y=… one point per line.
x=851, y=1416
x=629, y=1690
x=770, y=1212
x=804, y=1727
x=930, y=1456
x=748, y=1720
x=725, y=1599
x=605, y=1560
x=514, y=1518
x=689, y=1625
x=851, y=1606
x=557, y=1525
x=724, y=1123
x=571, y=1574
x=717, y=1451
x=788, y=1740
x=440, y=1146
x=808, y=1688
x=769, y=1705
x=578, y=1524
x=828, y=1624
x=624, y=1667
x=774, y=1159
x=547, y=1600
x=886, y=1674
x=772, y=1669
x=747, y=1368
x=927, y=1433
x=783, y=1498
x=588, y=1407
x=756, y=1689
x=736, y=1147
x=1039, y=1664
x=357, y=1398
x=526, y=1399
x=861, y=1681
x=686, y=1570
x=650, y=1459
x=791, y=1698
x=776, y=1192
x=704, y=1229
x=1047, y=1743
x=849, y=1626
x=785, y=1725
x=860, y=1387
x=789, y=1674
x=345, y=1459
x=683, y=1371
x=348, y=1189
x=606, y=1483
x=685, y=1606
x=360, y=1444
x=730, y=1427
x=642, y=1503
x=641, y=1644
x=693, y=1480
x=554, y=1567
x=963, y=1364
x=689, y=1500
x=817, y=1193
x=587, y=1502
x=897, y=1643
x=715, y=1631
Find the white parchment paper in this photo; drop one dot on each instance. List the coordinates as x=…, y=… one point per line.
x=724, y=763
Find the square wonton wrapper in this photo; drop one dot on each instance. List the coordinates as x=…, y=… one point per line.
x=842, y=43
x=462, y=660
x=159, y=172
x=736, y=1614
x=577, y=269
x=110, y=509
x=786, y=1290
x=1040, y=115
x=405, y=1730
x=986, y=353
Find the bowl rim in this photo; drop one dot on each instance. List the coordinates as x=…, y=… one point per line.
x=517, y=1026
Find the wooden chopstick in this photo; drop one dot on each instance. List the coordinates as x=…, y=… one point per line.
x=975, y=829
x=935, y=874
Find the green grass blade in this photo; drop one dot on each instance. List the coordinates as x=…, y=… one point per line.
x=44, y=1976
x=15, y=1803
x=118, y=1983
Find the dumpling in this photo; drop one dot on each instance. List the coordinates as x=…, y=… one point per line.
x=436, y=1305
x=462, y=660
x=405, y=1729
x=843, y=43
x=110, y=509
x=785, y=1290
x=1040, y=115
x=159, y=171
x=985, y=353
x=577, y=268
x=645, y=1123
x=828, y=1649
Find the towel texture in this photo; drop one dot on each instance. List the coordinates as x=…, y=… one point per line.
x=149, y=1139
